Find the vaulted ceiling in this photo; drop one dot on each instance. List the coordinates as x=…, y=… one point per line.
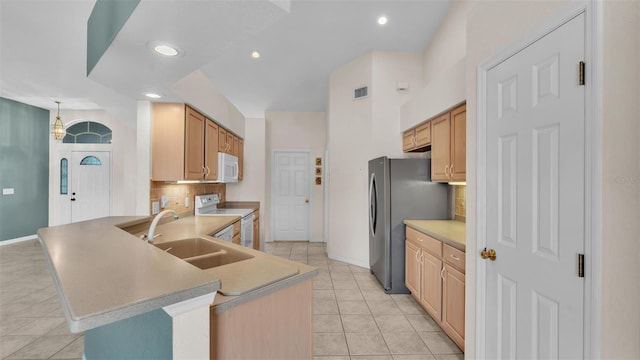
x=43, y=49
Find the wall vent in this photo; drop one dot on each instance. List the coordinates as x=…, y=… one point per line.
x=360, y=93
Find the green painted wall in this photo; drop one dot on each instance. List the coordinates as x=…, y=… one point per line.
x=146, y=336
x=24, y=166
x=106, y=20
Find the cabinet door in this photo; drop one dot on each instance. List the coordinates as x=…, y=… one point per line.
x=412, y=268
x=229, y=143
x=167, y=141
x=423, y=135
x=240, y=160
x=222, y=140
x=431, y=285
x=440, y=148
x=194, y=145
x=453, y=304
x=458, y=163
x=236, y=146
x=211, y=150
x=408, y=140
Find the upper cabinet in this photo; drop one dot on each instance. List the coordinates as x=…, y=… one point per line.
x=445, y=135
x=185, y=144
x=449, y=146
x=417, y=139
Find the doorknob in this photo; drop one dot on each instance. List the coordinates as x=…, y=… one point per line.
x=488, y=254
x=306, y=201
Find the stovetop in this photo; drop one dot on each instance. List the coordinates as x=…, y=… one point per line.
x=208, y=205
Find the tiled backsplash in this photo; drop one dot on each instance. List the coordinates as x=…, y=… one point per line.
x=460, y=202
x=177, y=193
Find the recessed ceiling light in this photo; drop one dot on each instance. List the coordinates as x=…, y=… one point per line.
x=165, y=50
x=255, y=54
x=382, y=20
x=152, y=95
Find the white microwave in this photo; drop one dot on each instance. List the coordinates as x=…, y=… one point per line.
x=227, y=168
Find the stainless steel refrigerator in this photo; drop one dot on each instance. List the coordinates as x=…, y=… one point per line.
x=399, y=189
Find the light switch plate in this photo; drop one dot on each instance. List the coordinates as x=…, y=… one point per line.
x=8, y=191
x=186, y=201
x=155, y=207
x=164, y=201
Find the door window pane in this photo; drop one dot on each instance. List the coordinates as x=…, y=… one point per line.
x=90, y=160
x=64, y=171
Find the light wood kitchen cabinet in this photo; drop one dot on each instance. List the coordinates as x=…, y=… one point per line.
x=194, y=145
x=185, y=144
x=448, y=146
x=180, y=147
x=453, y=304
x=412, y=267
x=223, y=147
x=417, y=139
x=256, y=230
x=434, y=273
x=211, y=150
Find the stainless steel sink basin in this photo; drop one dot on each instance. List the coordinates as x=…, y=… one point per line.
x=203, y=253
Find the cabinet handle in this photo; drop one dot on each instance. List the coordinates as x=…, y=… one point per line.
x=204, y=171
x=442, y=273
x=421, y=257
x=454, y=257
x=208, y=172
x=451, y=170
x=417, y=258
x=446, y=170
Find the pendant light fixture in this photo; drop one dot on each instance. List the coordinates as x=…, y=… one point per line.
x=57, y=128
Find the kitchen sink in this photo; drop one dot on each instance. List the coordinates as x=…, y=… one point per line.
x=203, y=253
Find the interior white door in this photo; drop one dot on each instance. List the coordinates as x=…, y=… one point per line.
x=291, y=195
x=535, y=183
x=90, y=185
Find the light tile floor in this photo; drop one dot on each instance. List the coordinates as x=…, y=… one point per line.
x=354, y=319
x=32, y=325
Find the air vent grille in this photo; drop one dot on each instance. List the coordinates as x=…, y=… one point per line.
x=360, y=93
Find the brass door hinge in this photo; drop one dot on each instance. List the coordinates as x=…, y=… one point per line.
x=582, y=71
x=581, y=265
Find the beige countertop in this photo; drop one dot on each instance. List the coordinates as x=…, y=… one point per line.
x=105, y=274
x=255, y=205
x=450, y=232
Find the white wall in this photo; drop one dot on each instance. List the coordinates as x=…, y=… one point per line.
x=444, y=69
x=296, y=130
x=197, y=90
x=621, y=180
x=123, y=165
x=254, y=185
x=360, y=130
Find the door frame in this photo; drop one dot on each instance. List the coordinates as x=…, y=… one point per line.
x=593, y=171
x=272, y=220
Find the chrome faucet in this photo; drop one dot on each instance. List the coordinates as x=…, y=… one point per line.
x=152, y=228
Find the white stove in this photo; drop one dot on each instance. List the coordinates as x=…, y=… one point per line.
x=207, y=205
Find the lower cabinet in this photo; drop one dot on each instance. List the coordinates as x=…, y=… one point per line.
x=256, y=230
x=236, y=232
x=434, y=273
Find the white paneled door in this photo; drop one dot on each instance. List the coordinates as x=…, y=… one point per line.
x=535, y=188
x=90, y=188
x=290, y=191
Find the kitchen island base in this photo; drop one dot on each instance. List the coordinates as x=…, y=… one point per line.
x=275, y=326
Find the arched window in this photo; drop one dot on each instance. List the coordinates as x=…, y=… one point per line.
x=64, y=171
x=90, y=160
x=87, y=132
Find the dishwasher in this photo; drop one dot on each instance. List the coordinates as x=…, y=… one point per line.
x=225, y=234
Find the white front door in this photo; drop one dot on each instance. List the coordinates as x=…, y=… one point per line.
x=90, y=187
x=535, y=188
x=290, y=191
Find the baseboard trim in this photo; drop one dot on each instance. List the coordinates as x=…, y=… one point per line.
x=17, y=240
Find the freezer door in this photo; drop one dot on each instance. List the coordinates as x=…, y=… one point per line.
x=378, y=221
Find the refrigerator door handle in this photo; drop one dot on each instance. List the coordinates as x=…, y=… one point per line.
x=373, y=205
